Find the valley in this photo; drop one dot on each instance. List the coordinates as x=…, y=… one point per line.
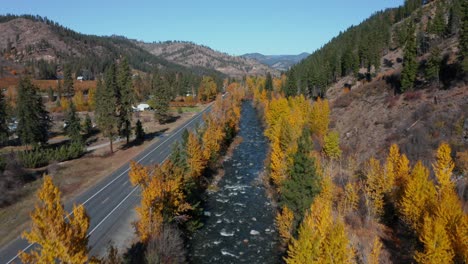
x=123, y=147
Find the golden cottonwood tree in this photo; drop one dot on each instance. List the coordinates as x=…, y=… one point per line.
x=284, y=223
x=351, y=198
x=419, y=197
x=402, y=171
x=396, y=170
x=321, y=239
x=374, y=257
x=374, y=188
x=138, y=174
x=195, y=160
x=312, y=232
x=461, y=245
x=320, y=117
x=161, y=198
x=58, y=239
x=212, y=138
x=444, y=166
x=437, y=247
x=331, y=145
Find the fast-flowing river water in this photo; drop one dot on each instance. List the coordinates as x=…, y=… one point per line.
x=239, y=219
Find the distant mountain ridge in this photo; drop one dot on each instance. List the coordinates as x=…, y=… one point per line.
x=279, y=62
x=189, y=54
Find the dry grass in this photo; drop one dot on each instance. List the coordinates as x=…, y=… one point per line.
x=43, y=85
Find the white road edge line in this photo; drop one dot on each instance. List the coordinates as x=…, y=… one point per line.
x=176, y=132
x=115, y=208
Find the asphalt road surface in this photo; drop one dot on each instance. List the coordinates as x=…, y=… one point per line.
x=110, y=201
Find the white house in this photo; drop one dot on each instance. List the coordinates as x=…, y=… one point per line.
x=141, y=107
x=79, y=78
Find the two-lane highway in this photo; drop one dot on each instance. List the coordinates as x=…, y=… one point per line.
x=113, y=199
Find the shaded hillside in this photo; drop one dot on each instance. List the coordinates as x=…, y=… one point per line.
x=31, y=40
x=362, y=46
x=279, y=62
x=192, y=55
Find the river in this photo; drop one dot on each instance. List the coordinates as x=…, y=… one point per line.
x=239, y=218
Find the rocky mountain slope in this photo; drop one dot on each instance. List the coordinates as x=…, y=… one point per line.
x=279, y=62
x=189, y=54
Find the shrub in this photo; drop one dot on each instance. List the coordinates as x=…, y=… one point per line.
x=166, y=247
x=412, y=96
x=41, y=157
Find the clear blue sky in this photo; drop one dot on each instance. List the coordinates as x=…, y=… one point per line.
x=232, y=26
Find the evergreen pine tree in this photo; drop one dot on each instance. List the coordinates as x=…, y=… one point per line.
x=454, y=19
x=303, y=184
x=410, y=65
x=59, y=91
x=50, y=94
x=33, y=119
x=161, y=97
x=124, y=82
x=290, y=89
x=4, y=131
x=464, y=36
x=68, y=81
x=269, y=82
x=106, y=102
x=437, y=26
x=73, y=126
x=88, y=125
x=433, y=65
x=139, y=132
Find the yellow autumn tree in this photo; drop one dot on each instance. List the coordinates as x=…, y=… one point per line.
x=402, y=171
x=337, y=248
x=212, y=138
x=374, y=257
x=195, y=161
x=391, y=165
x=78, y=101
x=138, y=174
x=58, y=239
x=284, y=224
x=161, y=198
x=396, y=171
x=461, y=245
x=351, y=198
x=331, y=146
x=208, y=89
x=278, y=165
x=92, y=98
x=64, y=103
x=321, y=239
x=374, y=188
x=451, y=215
x=320, y=117
x=444, y=166
x=437, y=247
x=419, y=197
x=311, y=235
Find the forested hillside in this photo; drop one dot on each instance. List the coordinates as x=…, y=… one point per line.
x=38, y=42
